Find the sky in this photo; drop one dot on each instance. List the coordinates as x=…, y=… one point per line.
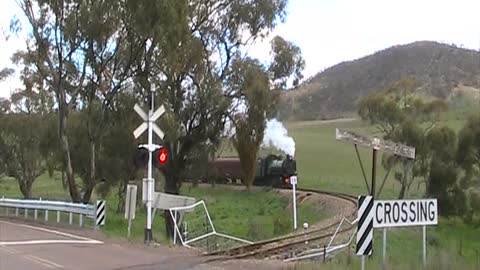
x=332, y=31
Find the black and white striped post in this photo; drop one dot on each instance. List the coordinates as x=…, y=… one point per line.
x=365, y=227
x=100, y=213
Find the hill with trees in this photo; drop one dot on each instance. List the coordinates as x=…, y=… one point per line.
x=441, y=70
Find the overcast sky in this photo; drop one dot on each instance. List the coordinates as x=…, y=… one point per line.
x=331, y=31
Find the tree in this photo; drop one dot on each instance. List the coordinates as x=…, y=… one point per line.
x=442, y=174
x=188, y=49
x=252, y=82
x=80, y=50
x=20, y=138
x=468, y=158
x=55, y=54
x=402, y=117
x=260, y=90
x=468, y=154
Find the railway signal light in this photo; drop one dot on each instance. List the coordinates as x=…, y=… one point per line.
x=160, y=157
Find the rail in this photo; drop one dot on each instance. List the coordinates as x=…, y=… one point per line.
x=95, y=212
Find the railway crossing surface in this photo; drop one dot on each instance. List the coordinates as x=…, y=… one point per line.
x=31, y=246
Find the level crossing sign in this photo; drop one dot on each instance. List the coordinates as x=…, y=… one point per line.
x=148, y=119
x=365, y=225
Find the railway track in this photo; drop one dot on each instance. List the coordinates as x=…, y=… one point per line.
x=287, y=246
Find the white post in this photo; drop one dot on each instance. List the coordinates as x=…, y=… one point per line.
x=58, y=216
x=424, y=247
x=294, y=207
x=384, y=266
x=175, y=231
x=363, y=262
x=129, y=214
x=46, y=215
x=150, y=183
x=80, y=220
x=70, y=218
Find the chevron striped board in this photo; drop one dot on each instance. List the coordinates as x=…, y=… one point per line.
x=100, y=213
x=365, y=225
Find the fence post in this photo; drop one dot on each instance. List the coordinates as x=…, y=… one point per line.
x=16, y=212
x=80, y=217
x=35, y=212
x=46, y=215
x=70, y=218
x=58, y=216
x=25, y=213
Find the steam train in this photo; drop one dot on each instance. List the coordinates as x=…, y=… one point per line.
x=272, y=170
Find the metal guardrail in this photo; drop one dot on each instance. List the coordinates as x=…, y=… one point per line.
x=87, y=210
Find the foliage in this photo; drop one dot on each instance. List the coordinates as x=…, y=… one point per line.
x=442, y=177
x=406, y=119
x=260, y=90
x=20, y=138
x=252, y=82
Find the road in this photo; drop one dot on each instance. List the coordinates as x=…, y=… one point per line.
x=29, y=246
x=35, y=246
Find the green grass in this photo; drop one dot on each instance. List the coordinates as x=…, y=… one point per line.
x=253, y=215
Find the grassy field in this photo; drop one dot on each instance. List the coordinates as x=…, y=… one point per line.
x=254, y=215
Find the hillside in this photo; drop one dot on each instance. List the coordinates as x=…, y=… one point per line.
x=442, y=71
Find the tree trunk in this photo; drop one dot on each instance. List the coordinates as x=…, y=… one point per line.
x=171, y=187
x=74, y=194
x=91, y=180
x=25, y=187
x=403, y=189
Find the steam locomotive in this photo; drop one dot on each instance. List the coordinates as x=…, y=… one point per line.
x=272, y=170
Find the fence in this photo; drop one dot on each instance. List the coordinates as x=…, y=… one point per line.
x=82, y=210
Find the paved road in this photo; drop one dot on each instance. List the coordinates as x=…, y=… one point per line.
x=25, y=246
x=32, y=246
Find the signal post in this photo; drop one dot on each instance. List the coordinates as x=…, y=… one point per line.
x=149, y=183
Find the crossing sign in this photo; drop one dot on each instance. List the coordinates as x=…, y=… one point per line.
x=365, y=225
x=148, y=119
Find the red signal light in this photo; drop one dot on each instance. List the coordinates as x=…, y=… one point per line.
x=162, y=156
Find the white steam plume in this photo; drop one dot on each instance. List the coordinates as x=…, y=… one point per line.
x=276, y=136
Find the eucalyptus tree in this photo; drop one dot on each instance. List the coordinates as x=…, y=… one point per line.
x=80, y=50
x=259, y=88
x=189, y=48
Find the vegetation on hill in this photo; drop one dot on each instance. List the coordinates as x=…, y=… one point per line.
x=442, y=71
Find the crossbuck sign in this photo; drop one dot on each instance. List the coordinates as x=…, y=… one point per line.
x=147, y=119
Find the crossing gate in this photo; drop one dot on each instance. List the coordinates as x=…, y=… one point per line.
x=365, y=225
x=100, y=213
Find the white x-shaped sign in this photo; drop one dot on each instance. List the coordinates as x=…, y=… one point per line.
x=153, y=118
